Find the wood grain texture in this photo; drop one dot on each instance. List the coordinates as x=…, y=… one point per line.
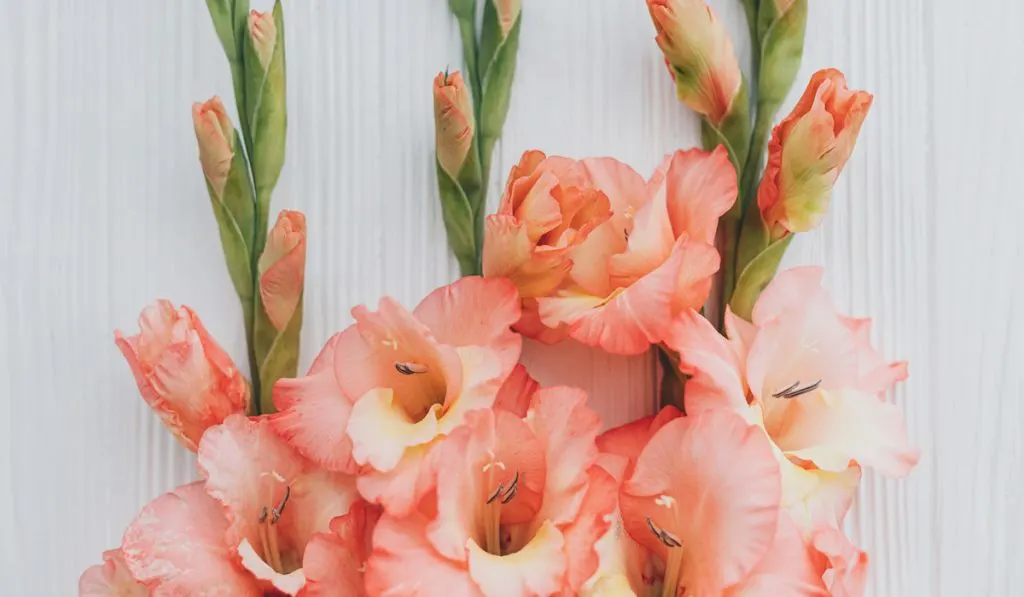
x=105, y=210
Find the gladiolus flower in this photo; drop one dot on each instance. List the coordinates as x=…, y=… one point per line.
x=263, y=31
x=519, y=507
x=603, y=257
x=216, y=135
x=182, y=373
x=282, y=268
x=453, y=121
x=699, y=54
x=842, y=566
x=808, y=151
x=275, y=500
x=810, y=378
x=110, y=579
x=382, y=392
x=700, y=507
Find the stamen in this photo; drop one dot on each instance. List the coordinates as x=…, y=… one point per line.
x=410, y=368
x=280, y=507
x=794, y=390
x=510, y=494
x=664, y=536
x=263, y=515
x=496, y=493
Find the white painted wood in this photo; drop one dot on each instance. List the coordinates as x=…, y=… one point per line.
x=105, y=210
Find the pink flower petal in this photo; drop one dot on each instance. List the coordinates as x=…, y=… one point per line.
x=707, y=354
x=711, y=480
x=536, y=570
x=568, y=431
x=404, y=564
x=628, y=441
x=845, y=566
x=110, y=579
x=591, y=523
x=475, y=312
x=699, y=187
x=833, y=429
x=517, y=392
x=787, y=569
x=314, y=412
x=176, y=546
x=400, y=489
x=334, y=561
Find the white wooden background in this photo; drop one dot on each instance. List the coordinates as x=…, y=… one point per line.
x=104, y=209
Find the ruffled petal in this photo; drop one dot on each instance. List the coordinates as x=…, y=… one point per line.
x=536, y=570
x=833, y=429
x=705, y=353
x=845, y=566
x=400, y=489
x=508, y=253
x=403, y=563
x=475, y=312
x=700, y=187
x=333, y=563
x=567, y=428
x=517, y=392
x=314, y=413
x=787, y=569
x=628, y=441
x=712, y=481
x=176, y=546
x=591, y=523
x=110, y=579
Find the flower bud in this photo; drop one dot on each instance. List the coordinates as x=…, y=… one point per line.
x=263, y=31
x=453, y=121
x=282, y=268
x=699, y=54
x=808, y=151
x=216, y=142
x=182, y=373
x=508, y=11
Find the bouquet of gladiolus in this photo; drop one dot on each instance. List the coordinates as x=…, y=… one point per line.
x=417, y=456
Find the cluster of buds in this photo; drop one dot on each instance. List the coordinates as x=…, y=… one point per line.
x=241, y=171
x=470, y=109
x=806, y=152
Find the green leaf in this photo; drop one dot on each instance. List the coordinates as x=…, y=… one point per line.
x=281, y=359
x=756, y=277
x=463, y=9
x=751, y=9
x=766, y=15
x=230, y=22
x=497, y=89
x=458, y=223
x=266, y=112
x=234, y=211
x=782, y=50
x=490, y=36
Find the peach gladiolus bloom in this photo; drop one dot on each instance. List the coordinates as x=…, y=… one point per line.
x=282, y=268
x=519, y=506
x=699, y=503
x=216, y=137
x=600, y=255
x=182, y=373
x=811, y=379
x=382, y=392
x=699, y=55
x=808, y=151
x=263, y=32
x=110, y=579
x=453, y=121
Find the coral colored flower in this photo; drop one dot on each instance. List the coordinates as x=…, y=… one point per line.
x=811, y=379
x=700, y=508
x=808, y=151
x=181, y=372
x=282, y=268
x=335, y=561
x=110, y=579
x=382, y=392
x=176, y=546
x=215, y=135
x=453, y=121
x=603, y=257
x=699, y=54
x=519, y=507
x=263, y=33
x=275, y=500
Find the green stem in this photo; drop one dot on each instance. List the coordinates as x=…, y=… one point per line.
x=254, y=372
x=728, y=234
x=673, y=381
